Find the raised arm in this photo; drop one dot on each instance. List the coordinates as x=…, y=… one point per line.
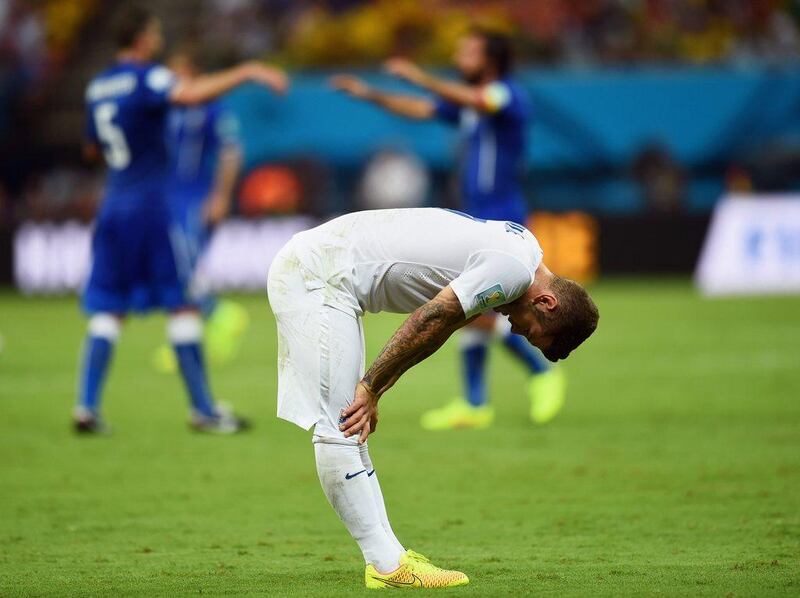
x=218, y=204
x=207, y=87
x=421, y=335
x=404, y=105
x=452, y=91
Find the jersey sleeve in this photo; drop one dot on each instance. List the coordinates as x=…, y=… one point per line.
x=490, y=278
x=447, y=111
x=226, y=129
x=157, y=85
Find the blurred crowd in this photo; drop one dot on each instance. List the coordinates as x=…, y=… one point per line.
x=38, y=38
x=575, y=32
x=691, y=31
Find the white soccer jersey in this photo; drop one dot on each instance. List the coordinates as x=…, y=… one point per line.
x=396, y=260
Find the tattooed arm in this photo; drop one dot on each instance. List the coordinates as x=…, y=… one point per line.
x=419, y=337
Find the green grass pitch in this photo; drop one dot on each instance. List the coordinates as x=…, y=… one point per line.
x=673, y=470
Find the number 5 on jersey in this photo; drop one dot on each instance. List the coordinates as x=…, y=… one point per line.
x=116, y=150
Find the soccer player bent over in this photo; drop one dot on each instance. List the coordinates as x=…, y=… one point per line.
x=136, y=261
x=445, y=269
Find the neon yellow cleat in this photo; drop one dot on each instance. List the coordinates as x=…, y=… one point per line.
x=224, y=330
x=415, y=571
x=547, y=392
x=458, y=414
x=223, y=334
x=164, y=360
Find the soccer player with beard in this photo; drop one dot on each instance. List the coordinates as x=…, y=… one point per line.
x=443, y=268
x=492, y=113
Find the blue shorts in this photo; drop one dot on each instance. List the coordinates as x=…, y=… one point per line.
x=139, y=261
x=187, y=214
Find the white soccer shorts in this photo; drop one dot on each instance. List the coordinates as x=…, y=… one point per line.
x=320, y=347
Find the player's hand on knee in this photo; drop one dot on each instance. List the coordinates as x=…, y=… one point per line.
x=361, y=415
x=373, y=422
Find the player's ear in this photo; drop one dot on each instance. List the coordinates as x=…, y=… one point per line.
x=545, y=301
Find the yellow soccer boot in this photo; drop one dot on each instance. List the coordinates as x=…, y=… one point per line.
x=458, y=414
x=547, y=392
x=415, y=571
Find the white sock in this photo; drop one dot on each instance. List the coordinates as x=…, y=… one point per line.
x=378, y=496
x=502, y=327
x=473, y=337
x=345, y=482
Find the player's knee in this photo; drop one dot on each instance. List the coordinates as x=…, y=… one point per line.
x=184, y=328
x=105, y=325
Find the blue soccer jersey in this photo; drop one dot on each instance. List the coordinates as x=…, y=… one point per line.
x=137, y=263
x=195, y=137
x=126, y=107
x=196, y=134
x=493, y=152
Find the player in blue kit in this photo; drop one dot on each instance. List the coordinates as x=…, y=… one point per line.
x=139, y=260
x=492, y=113
x=205, y=161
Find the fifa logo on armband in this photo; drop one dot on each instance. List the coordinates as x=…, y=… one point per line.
x=491, y=297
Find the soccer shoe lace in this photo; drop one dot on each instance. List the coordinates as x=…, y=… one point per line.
x=415, y=556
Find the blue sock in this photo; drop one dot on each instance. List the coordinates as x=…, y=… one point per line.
x=526, y=353
x=96, y=358
x=474, y=361
x=193, y=371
